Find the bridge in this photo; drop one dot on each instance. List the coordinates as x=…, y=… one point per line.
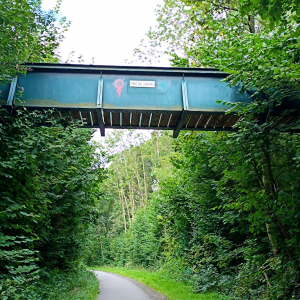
x=129, y=97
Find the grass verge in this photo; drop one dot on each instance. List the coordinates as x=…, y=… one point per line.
x=170, y=288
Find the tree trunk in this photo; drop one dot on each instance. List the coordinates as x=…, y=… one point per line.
x=157, y=143
x=138, y=177
x=99, y=236
x=271, y=190
x=132, y=204
x=271, y=239
x=121, y=200
x=251, y=24
x=267, y=279
x=127, y=207
x=145, y=183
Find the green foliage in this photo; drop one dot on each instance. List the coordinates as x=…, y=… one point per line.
x=48, y=175
x=47, y=180
x=177, y=61
x=220, y=211
x=77, y=284
x=131, y=178
x=28, y=34
x=275, y=11
x=223, y=217
x=256, y=42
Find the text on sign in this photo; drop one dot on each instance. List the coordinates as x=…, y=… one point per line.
x=144, y=84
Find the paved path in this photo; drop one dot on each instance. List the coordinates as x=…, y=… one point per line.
x=113, y=287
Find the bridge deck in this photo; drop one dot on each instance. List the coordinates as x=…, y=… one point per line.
x=129, y=97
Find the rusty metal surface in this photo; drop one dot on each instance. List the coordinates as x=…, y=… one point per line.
x=53, y=104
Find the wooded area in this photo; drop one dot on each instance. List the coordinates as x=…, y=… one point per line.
x=219, y=211
x=48, y=175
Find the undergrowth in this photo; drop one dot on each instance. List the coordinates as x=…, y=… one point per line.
x=77, y=284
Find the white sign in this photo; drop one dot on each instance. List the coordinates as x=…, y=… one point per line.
x=143, y=84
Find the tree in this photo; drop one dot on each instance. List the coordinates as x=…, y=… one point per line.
x=227, y=214
x=28, y=34
x=132, y=176
x=48, y=180
x=275, y=12
x=233, y=37
x=48, y=175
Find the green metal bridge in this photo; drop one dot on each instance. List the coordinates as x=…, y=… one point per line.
x=129, y=97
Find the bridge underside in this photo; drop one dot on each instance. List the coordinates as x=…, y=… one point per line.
x=129, y=98
x=159, y=120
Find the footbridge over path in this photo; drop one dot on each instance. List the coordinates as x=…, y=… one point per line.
x=129, y=97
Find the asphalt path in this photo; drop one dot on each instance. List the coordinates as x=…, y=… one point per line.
x=115, y=287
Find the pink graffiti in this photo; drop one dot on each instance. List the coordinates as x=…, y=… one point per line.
x=119, y=84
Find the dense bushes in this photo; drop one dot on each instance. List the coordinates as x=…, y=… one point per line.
x=48, y=174
x=47, y=180
x=224, y=216
x=77, y=284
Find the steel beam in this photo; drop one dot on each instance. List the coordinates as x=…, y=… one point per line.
x=180, y=98
x=12, y=91
x=100, y=107
x=150, y=119
x=185, y=109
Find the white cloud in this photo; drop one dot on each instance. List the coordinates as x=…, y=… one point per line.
x=108, y=30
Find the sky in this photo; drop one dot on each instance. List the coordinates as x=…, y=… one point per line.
x=107, y=30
